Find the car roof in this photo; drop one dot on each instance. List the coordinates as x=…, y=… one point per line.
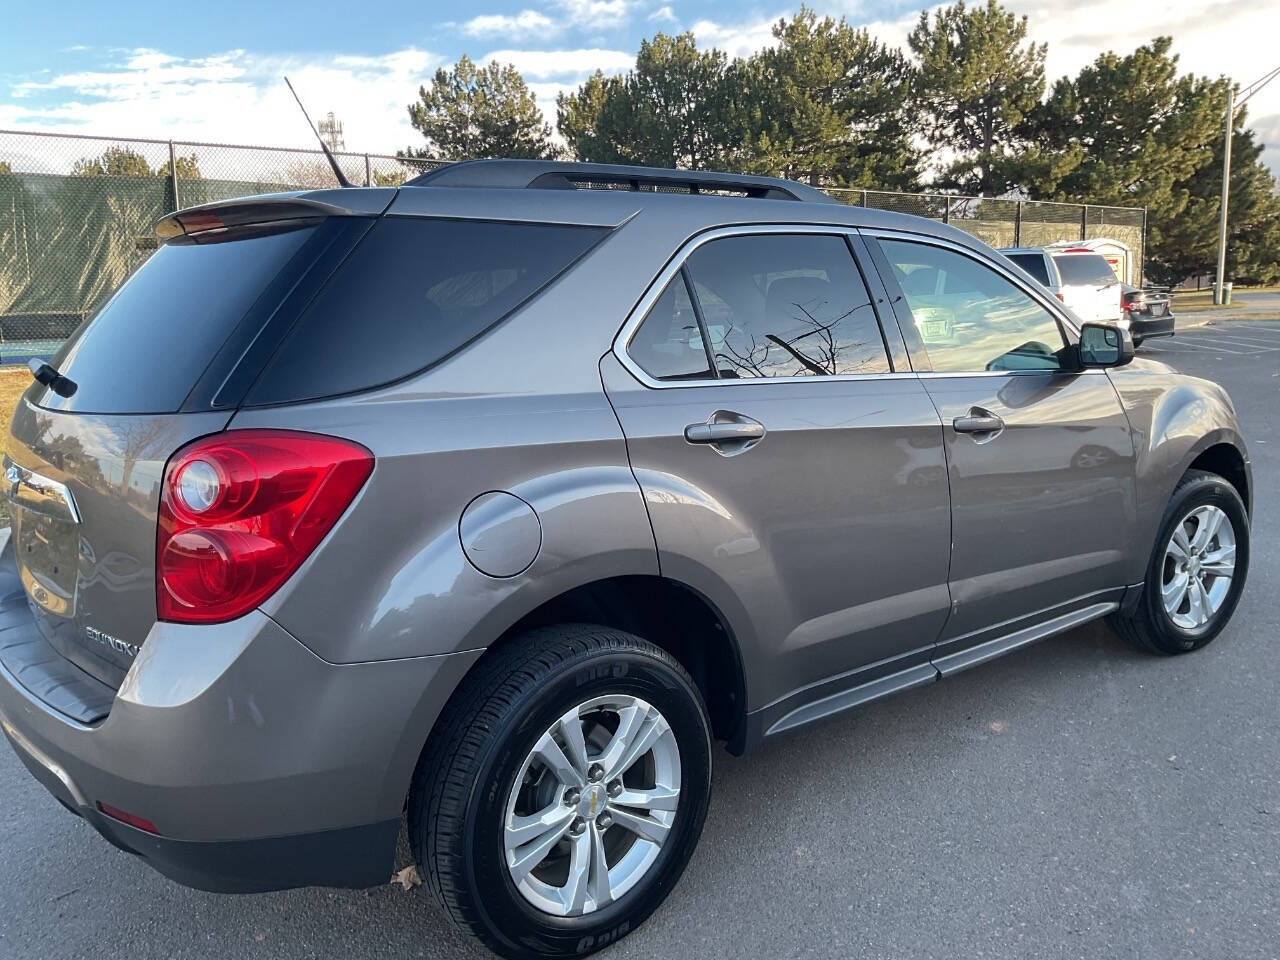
x=606, y=195
x=610, y=194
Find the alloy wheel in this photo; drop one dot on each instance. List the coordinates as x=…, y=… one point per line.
x=1199, y=564
x=592, y=805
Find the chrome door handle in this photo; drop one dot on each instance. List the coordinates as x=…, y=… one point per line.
x=978, y=421
x=719, y=432
x=726, y=432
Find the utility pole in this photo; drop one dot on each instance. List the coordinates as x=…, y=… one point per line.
x=1226, y=185
x=1233, y=104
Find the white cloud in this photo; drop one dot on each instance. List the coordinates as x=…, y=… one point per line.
x=737, y=40
x=662, y=15
x=498, y=24
x=235, y=97
x=546, y=64
x=596, y=14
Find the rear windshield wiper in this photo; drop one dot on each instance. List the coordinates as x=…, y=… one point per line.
x=48, y=375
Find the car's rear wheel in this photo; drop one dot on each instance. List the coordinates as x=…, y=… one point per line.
x=1197, y=569
x=563, y=791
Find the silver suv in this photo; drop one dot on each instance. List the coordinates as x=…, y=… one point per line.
x=499, y=498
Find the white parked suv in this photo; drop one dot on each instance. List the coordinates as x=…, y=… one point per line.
x=1079, y=277
x=1038, y=264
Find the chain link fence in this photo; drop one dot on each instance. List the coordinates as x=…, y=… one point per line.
x=1018, y=223
x=78, y=213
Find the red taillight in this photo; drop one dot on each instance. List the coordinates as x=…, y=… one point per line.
x=240, y=511
x=124, y=816
x=198, y=221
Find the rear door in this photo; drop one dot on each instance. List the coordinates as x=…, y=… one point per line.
x=1039, y=454
x=83, y=470
x=793, y=472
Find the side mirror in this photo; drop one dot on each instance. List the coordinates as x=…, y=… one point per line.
x=1102, y=345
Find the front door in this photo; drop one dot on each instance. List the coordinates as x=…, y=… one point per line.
x=1039, y=454
x=791, y=474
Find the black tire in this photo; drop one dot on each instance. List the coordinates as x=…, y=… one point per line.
x=1137, y=342
x=457, y=804
x=1149, y=627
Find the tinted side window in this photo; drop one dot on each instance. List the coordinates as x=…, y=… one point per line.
x=668, y=345
x=969, y=317
x=786, y=305
x=410, y=294
x=1033, y=264
x=1085, y=269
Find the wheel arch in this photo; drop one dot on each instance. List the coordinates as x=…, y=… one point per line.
x=665, y=612
x=669, y=614
x=1227, y=461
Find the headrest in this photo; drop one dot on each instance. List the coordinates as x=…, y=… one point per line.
x=787, y=295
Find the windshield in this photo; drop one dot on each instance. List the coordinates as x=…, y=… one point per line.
x=1084, y=269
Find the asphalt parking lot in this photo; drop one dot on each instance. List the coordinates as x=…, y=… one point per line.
x=1075, y=799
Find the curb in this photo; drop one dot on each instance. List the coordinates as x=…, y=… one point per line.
x=1211, y=318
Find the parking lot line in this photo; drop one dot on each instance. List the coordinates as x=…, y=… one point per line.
x=1246, y=342
x=1248, y=347
x=1200, y=346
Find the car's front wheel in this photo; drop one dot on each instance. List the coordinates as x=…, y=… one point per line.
x=1196, y=571
x=563, y=791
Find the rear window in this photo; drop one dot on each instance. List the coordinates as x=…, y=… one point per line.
x=1084, y=268
x=148, y=345
x=412, y=292
x=1033, y=264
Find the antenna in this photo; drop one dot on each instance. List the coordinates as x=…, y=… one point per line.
x=337, y=171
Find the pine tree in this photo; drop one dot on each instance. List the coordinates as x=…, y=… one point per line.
x=829, y=104
x=977, y=80
x=472, y=112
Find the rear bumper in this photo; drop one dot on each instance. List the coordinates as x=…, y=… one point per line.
x=349, y=857
x=260, y=765
x=1147, y=328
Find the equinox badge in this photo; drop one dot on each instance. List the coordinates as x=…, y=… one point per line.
x=110, y=642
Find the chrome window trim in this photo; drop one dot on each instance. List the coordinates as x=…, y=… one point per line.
x=656, y=287
x=659, y=284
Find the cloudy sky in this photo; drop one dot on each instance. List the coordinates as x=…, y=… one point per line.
x=212, y=72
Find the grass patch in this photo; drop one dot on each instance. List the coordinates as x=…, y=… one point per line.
x=1197, y=302
x=1192, y=300
x=13, y=382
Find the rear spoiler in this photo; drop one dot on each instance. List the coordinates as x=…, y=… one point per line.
x=210, y=220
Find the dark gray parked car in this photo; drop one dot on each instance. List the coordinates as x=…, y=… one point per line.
x=498, y=498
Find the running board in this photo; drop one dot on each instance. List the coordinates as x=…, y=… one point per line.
x=754, y=731
x=972, y=656
x=855, y=697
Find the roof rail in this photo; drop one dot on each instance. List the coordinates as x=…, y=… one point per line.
x=559, y=175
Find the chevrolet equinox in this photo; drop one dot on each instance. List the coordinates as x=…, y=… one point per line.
x=489, y=503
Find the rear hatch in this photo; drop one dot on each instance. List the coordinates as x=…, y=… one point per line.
x=1089, y=285
x=165, y=361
